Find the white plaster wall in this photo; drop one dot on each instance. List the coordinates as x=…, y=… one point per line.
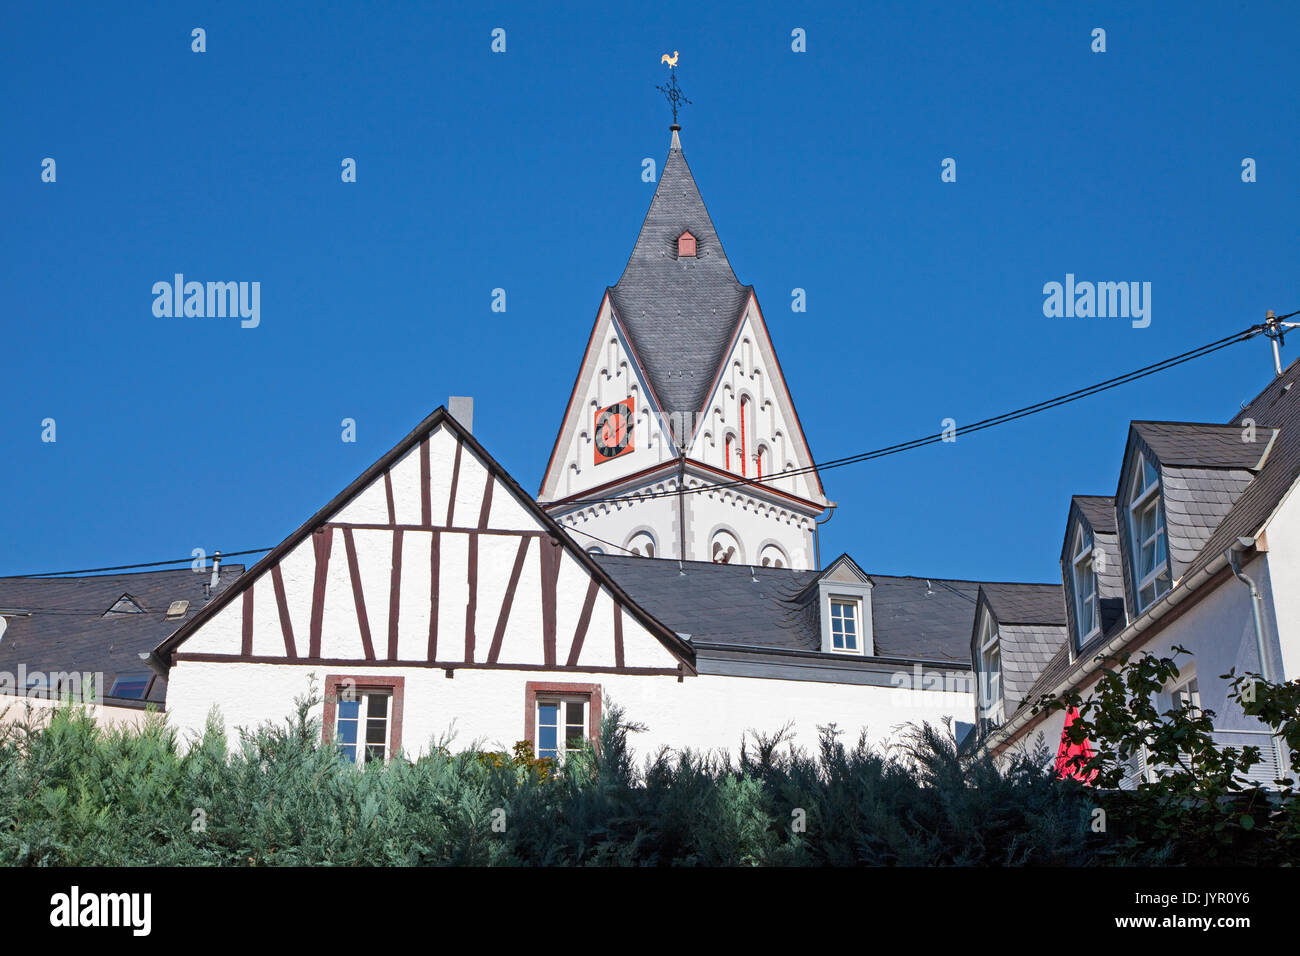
x=751, y=370
x=487, y=706
x=753, y=522
x=607, y=376
x=38, y=710
x=1219, y=633
x=1283, y=556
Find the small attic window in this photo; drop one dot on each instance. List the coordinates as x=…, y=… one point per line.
x=125, y=605
x=686, y=245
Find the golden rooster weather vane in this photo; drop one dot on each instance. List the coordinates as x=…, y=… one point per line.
x=674, y=94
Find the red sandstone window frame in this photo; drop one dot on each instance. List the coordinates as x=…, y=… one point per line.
x=561, y=690
x=395, y=687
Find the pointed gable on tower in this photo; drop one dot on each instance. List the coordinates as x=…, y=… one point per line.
x=679, y=302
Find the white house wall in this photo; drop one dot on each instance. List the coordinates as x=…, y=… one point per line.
x=1219, y=633
x=486, y=707
x=1283, y=539
x=467, y=581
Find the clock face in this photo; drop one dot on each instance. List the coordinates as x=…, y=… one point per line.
x=614, y=430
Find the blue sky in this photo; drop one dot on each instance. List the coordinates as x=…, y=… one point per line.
x=522, y=170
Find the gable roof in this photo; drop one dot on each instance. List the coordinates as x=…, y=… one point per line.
x=679, y=314
x=440, y=417
x=1200, y=445
x=1026, y=603
x=1099, y=510
x=60, y=624
x=1276, y=407
x=913, y=619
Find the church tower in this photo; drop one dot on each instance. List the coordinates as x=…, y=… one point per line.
x=680, y=439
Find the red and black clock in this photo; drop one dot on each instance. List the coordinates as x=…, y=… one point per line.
x=613, y=428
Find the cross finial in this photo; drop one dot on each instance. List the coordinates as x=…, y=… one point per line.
x=673, y=93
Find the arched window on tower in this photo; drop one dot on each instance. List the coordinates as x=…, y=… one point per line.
x=725, y=549
x=641, y=544
x=773, y=557
x=764, y=461
x=728, y=451
x=746, y=420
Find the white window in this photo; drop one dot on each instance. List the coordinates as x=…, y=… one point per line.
x=364, y=726
x=990, y=668
x=845, y=625
x=1086, y=618
x=1185, y=694
x=561, y=726
x=1147, y=528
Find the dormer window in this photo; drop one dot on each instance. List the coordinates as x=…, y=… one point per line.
x=686, y=246
x=1087, y=620
x=990, y=669
x=844, y=625
x=1147, y=531
x=844, y=609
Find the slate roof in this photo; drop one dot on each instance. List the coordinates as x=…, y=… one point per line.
x=1278, y=407
x=1202, y=445
x=1027, y=603
x=67, y=628
x=1026, y=650
x=1099, y=510
x=1216, y=488
x=1196, y=501
x=680, y=314
x=1031, y=623
x=912, y=618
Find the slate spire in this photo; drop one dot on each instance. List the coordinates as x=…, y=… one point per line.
x=680, y=311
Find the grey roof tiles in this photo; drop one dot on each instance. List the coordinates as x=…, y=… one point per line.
x=1201, y=445
x=912, y=618
x=680, y=313
x=67, y=627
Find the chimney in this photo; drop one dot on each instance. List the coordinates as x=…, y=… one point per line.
x=461, y=408
x=216, y=570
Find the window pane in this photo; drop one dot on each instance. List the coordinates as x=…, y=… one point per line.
x=574, y=712
x=349, y=709
x=548, y=731
x=347, y=731
x=376, y=730
x=547, y=741
x=378, y=705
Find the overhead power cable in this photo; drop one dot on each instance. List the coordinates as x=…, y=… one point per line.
x=949, y=434
x=131, y=567
x=883, y=452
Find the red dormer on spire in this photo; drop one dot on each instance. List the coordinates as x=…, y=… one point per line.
x=686, y=245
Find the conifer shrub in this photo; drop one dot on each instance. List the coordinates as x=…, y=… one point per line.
x=74, y=794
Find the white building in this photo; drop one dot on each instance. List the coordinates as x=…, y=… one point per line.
x=669, y=563
x=1198, y=547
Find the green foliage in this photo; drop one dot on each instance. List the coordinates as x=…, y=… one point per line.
x=73, y=794
x=1201, y=807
